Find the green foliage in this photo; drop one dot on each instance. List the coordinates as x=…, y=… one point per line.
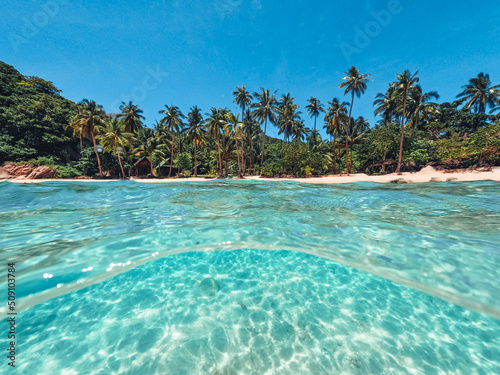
x=449, y=119
x=484, y=145
x=273, y=165
x=183, y=161
x=37, y=124
x=450, y=148
x=33, y=117
x=418, y=151
x=294, y=156
x=44, y=160
x=67, y=171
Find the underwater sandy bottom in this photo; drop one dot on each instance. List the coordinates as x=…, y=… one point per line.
x=253, y=312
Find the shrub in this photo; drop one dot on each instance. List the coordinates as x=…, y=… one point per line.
x=67, y=171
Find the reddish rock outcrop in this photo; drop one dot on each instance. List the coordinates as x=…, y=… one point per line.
x=20, y=170
x=41, y=172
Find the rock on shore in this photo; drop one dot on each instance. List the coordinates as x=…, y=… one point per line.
x=28, y=171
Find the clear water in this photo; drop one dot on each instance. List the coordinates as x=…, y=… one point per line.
x=99, y=295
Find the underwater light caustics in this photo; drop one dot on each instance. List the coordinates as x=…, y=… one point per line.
x=442, y=239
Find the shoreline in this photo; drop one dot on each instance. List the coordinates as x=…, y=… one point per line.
x=415, y=177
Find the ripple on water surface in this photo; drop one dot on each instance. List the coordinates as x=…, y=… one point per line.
x=253, y=312
x=441, y=238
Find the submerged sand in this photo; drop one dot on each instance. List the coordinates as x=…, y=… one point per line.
x=427, y=174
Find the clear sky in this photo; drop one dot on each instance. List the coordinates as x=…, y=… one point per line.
x=195, y=52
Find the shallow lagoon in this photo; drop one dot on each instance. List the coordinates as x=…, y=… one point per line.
x=247, y=310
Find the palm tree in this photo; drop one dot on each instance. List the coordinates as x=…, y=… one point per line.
x=114, y=136
x=265, y=109
x=420, y=108
x=479, y=94
x=496, y=107
x=355, y=83
x=243, y=98
x=385, y=104
x=401, y=88
x=172, y=121
x=235, y=128
x=298, y=130
x=76, y=124
x=132, y=116
x=196, y=132
x=149, y=145
x=336, y=119
x=91, y=116
x=287, y=115
x=359, y=128
x=314, y=107
x=214, y=124
x=252, y=130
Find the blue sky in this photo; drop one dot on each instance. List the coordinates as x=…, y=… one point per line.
x=195, y=52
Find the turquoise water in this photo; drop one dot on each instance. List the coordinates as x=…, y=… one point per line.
x=99, y=295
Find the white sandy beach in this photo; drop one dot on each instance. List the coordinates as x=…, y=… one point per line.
x=425, y=175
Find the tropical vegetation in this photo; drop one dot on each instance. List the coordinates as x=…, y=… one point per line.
x=411, y=129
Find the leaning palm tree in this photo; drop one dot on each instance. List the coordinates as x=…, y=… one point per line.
x=243, y=98
x=113, y=137
x=92, y=115
x=314, y=108
x=214, y=125
x=149, y=145
x=402, y=86
x=172, y=121
x=265, y=109
x=355, y=83
x=196, y=132
x=479, y=94
x=132, y=117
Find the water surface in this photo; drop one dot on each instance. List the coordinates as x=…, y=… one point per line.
x=440, y=238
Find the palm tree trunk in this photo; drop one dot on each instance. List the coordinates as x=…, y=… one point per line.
x=243, y=157
x=350, y=158
x=97, y=154
x=334, y=154
x=237, y=154
x=195, y=163
x=171, y=157
x=251, y=154
x=348, y=166
x=402, y=135
x=263, y=145
x=81, y=144
x=220, y=159
x=121, y=166
x=224, y=154
x=315, y=118
x=151, y=164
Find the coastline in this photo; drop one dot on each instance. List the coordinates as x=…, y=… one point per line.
x=425, y=175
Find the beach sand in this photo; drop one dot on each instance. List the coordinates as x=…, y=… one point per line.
x=425, y=175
